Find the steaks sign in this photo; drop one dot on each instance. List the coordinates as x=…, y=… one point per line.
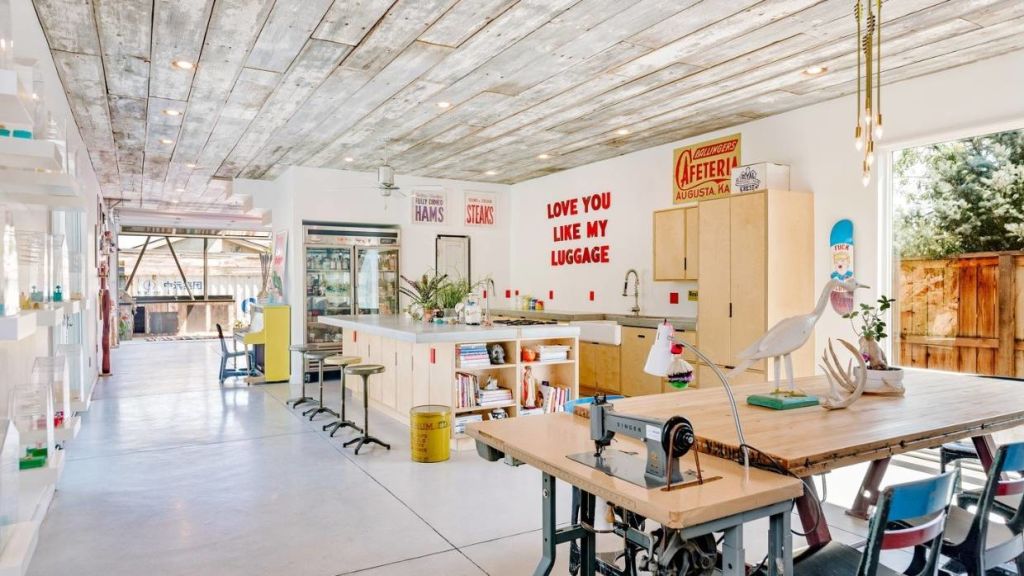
x=587, y=230
x=704, y=170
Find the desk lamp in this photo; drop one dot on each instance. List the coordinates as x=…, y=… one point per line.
x=660, y=362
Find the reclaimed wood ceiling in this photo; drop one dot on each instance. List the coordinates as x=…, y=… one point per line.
x=326, y=83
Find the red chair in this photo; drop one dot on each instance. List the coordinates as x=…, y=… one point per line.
x=925, y=501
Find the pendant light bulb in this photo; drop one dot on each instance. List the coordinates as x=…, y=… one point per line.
x=858, y=139
x=866, y=179
x=870, y=159
x=878, y=128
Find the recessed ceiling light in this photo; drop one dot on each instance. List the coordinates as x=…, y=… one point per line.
x=815, y=70
x=349, y=159
x=183, y=64
x=543, y=156
x=444, y=104
x=166, y=141
x=172, y=112
x=622, y=131
x=491, y=172
x=190, y=165
x=179, y=189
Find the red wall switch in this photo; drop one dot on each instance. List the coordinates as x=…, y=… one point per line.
x=673, y=297
x=433, y=356
x=551, y=294
x=508, y=294
x=591, y=295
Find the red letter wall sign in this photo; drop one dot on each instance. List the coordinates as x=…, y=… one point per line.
x=579, y=232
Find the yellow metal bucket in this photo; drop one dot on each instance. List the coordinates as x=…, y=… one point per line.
x=430, y=433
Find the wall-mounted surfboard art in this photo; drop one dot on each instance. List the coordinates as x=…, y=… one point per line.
x=841, y=251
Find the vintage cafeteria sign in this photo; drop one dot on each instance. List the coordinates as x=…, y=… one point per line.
x=480, y=207
x=429, y=207
x=704, y=170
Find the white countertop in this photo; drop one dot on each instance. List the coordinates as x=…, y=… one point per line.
x=406, y=329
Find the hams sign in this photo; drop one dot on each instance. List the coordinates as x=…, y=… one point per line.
x=704, y=170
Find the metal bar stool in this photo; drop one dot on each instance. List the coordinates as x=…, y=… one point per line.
x=302, y=349
x=365, y=371
x=319, y=356
x=342, y=422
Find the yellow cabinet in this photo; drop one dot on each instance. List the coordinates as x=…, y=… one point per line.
x=607, y=366
x=588, y=366
x=756, y=267
x=676, y=241
x=636, y=343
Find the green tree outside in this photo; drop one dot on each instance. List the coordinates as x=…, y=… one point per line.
x=960, y=197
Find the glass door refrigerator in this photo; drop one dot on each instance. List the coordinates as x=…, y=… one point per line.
x=349, y=269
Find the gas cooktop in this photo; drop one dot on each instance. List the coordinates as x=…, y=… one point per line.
x=525, y=322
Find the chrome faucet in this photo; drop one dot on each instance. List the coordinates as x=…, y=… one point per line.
x=636, y=290
x=489, y=290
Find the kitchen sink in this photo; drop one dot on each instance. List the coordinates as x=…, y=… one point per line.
x=599, y=331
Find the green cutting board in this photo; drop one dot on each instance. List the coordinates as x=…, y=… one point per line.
x=780, y=402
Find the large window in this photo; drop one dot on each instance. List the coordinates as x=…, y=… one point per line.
x=958, y=236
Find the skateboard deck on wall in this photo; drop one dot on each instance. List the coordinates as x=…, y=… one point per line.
x=840, y=242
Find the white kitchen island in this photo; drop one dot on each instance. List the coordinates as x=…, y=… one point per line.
x=422, y=362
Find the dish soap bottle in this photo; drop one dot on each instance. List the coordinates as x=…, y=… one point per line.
x=58, y=294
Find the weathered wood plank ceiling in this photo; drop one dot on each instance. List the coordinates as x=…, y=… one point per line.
x=472, y=89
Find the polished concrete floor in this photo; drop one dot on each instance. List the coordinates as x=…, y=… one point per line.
x=174, y=473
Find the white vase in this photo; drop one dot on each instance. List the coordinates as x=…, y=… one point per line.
x=884, y=382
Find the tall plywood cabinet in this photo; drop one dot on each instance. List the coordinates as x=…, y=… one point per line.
x=676, y=242
x=756, y=267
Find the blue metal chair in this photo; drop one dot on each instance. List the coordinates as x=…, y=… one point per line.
x=231, y=354
x=925, y=501
x=975, y=542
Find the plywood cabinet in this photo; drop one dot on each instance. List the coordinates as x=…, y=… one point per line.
x=636, y=343
x=756, y=268
x=599, y=367
x=676, y=241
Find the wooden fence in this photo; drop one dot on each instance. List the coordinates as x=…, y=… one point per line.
x=963, y=314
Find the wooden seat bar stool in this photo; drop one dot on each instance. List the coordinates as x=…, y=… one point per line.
x=302, y=349
x=319, y=356
x=342, y=422
x=365, y=371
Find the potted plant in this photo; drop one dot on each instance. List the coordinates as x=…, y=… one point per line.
x=450, y=295
x=422, y=294
x=869, y=324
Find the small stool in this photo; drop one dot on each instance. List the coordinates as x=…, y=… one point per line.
x=365, y=371
x=302, y=349
x=319, y=356
x=342, y=422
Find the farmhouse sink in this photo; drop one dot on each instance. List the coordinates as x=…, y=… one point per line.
x=599, y=331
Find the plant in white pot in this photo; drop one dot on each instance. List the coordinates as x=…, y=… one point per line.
x=869, y=324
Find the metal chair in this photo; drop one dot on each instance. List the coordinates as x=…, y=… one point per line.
x=319, y=356
x=232, y=354
x=365, y=371
x=926, y=501
x=342, y=422
x=973, y=541
x=302, y=349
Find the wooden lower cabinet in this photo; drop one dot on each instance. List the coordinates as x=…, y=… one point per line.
x=636, y=343
x=599, y=368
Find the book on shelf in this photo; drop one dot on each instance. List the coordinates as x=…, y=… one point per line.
x=493, y=397
x=552, y=353
x=473, y=355
x=555, y=398
x=459, y=424
x=466, y=388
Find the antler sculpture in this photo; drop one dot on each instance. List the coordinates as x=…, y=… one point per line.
x=846, y=386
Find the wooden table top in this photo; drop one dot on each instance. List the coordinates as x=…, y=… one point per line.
x=938, y=407
x=545, y=441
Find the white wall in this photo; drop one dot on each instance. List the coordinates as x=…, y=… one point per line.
x=816, y=141
x=16, y=358
x=351, y=197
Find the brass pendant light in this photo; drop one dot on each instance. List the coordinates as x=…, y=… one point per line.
x=869, y=81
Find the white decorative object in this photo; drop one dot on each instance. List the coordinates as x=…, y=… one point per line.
x=845, y=386
x=788, y=335
x=884, y=382
x=760, y=176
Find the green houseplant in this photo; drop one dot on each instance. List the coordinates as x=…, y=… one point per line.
x=422, y=294
x=869, y=324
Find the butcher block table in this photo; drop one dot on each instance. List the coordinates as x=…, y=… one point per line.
x=722, y=505
x=938, y=407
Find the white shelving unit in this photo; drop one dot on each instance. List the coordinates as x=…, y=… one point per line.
x=30, y=154
x=39, y=183
x=18, y=327
x=66, y=431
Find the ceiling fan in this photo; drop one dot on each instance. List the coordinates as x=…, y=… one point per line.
x=386, y=181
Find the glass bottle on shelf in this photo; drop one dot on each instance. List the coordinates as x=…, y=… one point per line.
x=9, y=300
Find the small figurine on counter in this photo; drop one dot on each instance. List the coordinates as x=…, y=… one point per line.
x=58, y=294
x=497, y=354
x=529, y=389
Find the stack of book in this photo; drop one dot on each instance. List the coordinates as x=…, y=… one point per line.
x=501, y=396
x=460, y=422
x=466, y=388
x=552, y=353
x=555, y=398
x=473, y=355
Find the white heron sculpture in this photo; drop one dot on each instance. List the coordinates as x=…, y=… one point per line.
x=787, y=336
